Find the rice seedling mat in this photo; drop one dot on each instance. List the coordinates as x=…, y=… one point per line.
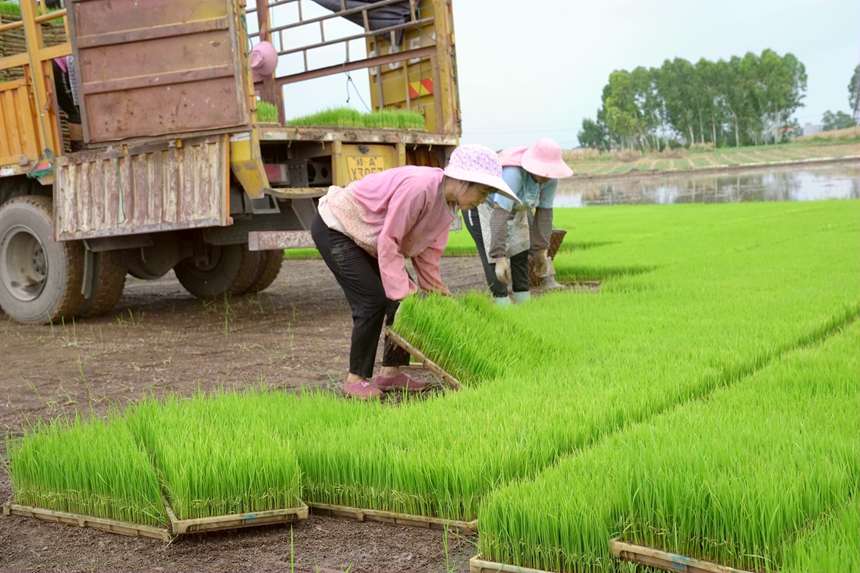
x=478, y=565
x=78, y=520
x=235, y=521
x=428, y=364
x=665, y=560
x=393, y=517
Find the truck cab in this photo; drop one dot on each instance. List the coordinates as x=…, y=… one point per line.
x=160, y=161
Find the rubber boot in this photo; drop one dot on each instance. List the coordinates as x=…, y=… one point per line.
x=548, y=282
x=521, y=297
x=502, y=301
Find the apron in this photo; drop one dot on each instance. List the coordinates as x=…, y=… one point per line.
x=519, y=239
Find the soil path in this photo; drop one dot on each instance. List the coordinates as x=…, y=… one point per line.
x=160, y=340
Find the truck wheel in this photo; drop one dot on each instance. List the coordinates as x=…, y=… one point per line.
x=40, y=278
x=270, y=266
x=108, y=284
x=251, y=263
x=228, y=265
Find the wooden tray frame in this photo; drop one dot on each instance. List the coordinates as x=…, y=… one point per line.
x=421, y=358
x=180, y=527
x=78, y=520
x=393, y=517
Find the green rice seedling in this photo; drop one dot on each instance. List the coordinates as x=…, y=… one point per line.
x=730, y=479
x=694, y=299
x=217, y=457
x=831, y=546
x=267, y=112
x=10, y=9
x=469, y=337
x=91, y=467
x=348, y=117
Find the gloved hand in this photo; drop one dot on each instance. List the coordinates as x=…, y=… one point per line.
x=541, y=261
x=503, y=270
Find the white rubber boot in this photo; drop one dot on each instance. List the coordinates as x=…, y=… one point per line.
x=521, y=297
x=502, y=301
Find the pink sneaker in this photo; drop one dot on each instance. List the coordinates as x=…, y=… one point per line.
x=400, y=382
x=362, y=390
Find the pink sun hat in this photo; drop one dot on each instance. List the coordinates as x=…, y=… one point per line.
x=542, y=159
x=264, y=60
x=479, y=164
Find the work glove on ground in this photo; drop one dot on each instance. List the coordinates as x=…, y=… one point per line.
x=503, y=270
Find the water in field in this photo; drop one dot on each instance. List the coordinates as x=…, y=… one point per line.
x=789, y=183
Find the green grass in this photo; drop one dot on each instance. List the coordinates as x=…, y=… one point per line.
x=696, y=302
x=348, y=117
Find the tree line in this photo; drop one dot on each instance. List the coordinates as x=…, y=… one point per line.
x=840, y=119
x=741, y=101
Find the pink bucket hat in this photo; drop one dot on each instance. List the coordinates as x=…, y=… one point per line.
x=264, y=60
x=544, y=160
x=479, y=164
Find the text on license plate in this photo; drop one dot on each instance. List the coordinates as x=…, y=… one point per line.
x=358, y=167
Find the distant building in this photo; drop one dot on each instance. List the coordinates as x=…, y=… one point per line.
x=811, y=128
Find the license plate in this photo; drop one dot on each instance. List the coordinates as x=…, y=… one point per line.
x=358, y=167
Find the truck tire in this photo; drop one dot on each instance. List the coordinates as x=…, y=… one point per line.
x=108, y=283
x=40, y=278
x=251, y=263
x=228, y=270
x=270, y=266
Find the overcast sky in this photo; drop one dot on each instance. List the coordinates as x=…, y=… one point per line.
x=532, y=68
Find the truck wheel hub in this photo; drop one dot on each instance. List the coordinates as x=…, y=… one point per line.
x=23, y=263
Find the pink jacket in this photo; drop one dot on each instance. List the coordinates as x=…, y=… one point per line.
x=402, y=213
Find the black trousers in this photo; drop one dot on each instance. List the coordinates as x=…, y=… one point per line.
x=357, y=273
x=519, y=262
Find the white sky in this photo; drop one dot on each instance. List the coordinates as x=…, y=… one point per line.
x=533, y=68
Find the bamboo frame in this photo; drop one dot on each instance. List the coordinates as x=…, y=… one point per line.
x=449, y=380
x=479, y=565
x=45, y=121
x=78, y=520
x=664, y=560
x=393, y=517
x=234, y=521
x=33, y=60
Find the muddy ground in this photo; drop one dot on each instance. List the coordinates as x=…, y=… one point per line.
x=161, y=340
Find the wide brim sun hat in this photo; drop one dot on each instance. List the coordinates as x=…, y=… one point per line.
x=479, y=164
x=264, y=60
x=544, y=159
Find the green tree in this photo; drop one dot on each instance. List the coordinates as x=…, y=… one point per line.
x=593, y=135
x=621, y=113
x=854, y=90
x=676, y=82
x=838, y=120
x=749, y=99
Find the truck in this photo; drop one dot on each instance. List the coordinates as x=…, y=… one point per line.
x=163, y=164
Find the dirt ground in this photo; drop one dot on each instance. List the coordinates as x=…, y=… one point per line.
x=161, y=340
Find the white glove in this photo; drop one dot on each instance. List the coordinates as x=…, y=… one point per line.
x=541, y=262
x=503, y=270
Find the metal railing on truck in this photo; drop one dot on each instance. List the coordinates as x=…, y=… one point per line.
x=412, y=62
